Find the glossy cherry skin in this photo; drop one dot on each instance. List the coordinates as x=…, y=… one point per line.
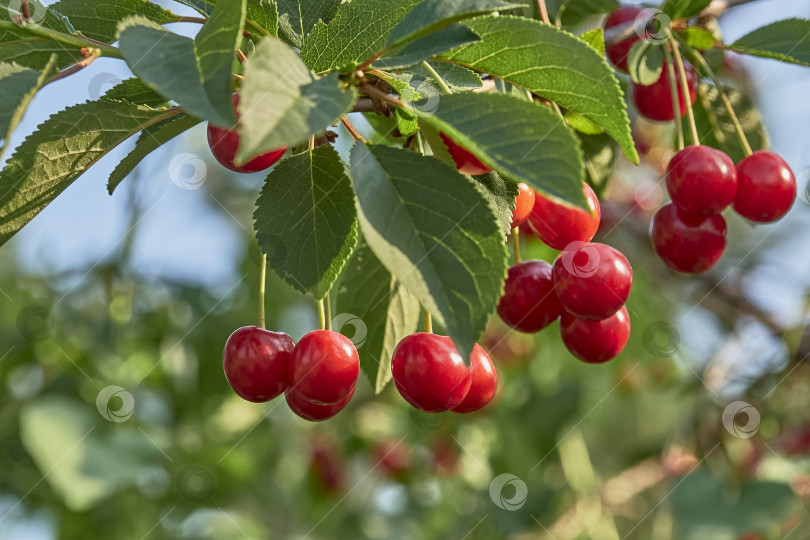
x=314, y=412
x=592, y=280
x=256, y=363
x=524, y=203
x=655, y=101
x=429, y=372
x=701, y=180
x=484, y=382
x=596, y=342
x=766, y=187
x=687, y=243
x=324, y=367
x=466, y=162
x=618, y=53
x=529, y=302
x=557, y=224
x=225, y=142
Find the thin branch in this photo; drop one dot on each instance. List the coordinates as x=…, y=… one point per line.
x=78, y=42
x=541, y=6
x=352, y=130
x=78, y=66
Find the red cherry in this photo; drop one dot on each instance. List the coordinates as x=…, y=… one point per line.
x=327, y=468
x=466, y=162
x=701, y=180
x=592, y=281
x=224, y=143
x=524, y=203
x=655, y=101
x=596, y=342
x=324, y=367
x=618, y=53
x=529, y=302
x=687, y=243
x=484, y=382
x=393, y=457
x=558, y=224
x=314, y=412
x=429, y=372
x=256, y=362
x=766, y=187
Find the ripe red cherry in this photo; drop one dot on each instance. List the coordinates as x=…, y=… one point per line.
x=324, y=367
x=701, y=180
x=618, y=53
x=224, y=143
x=655, y=101
x=484, y=382
x=314, y=412
x=529, y=302
x=466, y=162
x=596, y=342
x=592, y=281
x=687, y=243
x=524, y=203
x=256, y=362
x=558, y=224
x=429, y=372
x=766, y=187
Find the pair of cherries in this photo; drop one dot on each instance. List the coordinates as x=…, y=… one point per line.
x=690, y=233
x=318, y=375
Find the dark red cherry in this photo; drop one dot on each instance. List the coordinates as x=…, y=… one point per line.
x=529, y=302
x=701, y=180
x=429, y=372
x=483, y=385
x=524, y=203
x=225, y=142
x=314, y=412
x=766, y=187
x=324, y=367
x=687, y=243
x=256, y=362
x=655, y=101
x=592, y=280
x=558, y=224
x=596, y=342
x=618, y=53
x=466, y=162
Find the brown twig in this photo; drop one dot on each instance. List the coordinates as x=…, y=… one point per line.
x=25, y=10
x=350, y=127
x=241, y=56
x=541, y=6
x=373, y=91
x=78, y=66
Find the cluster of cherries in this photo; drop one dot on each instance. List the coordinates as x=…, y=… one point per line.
x=690, y=234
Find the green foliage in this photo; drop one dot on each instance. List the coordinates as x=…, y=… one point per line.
x=501, y=195
x=99, y=19
x=203, y=7
x=427, y=47
x=135, y=91
x=297, y=17
x=305, y=220
x=552, y=64
x=787, y=41
x=699, y=38
x=18, y=86
x=645, y=62
x=443, y=244
x=263, y=15
x=600, y=155
x=19, y=46
x=572, y=12
x=680, y=9
x=596, y=39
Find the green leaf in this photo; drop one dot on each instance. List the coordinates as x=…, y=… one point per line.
x=432, y=15
x=194, y=73
x=18, y=86
x=553, y=64
x=59, y=151
x=524, y=141
x=501, y=194
x=427, y=47
x=787, y=41
x=572, y=12
x=407, y=123
x=297, y=17
x=359, y=29
x=715, y=127
x=99, y=19
x=149, y=140
x=600, y=155
x=596, y=39
x=681, y=9
x=201, y=6
x=582, y=124
x=699, y=38
x=435, y=232
x=264, y=15
x=381, y=129
x=135, y=91
x=388, y=312
x=281, y=104
x=417, y=82
x=22, y=47
x=645, y=63
x=305, y=220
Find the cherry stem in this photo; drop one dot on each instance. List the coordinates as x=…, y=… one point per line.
x=428, y=323
x=673, y=88
x=321, y=317
x=262, y=280
x=25, y=11
x=241, y=56
x=685, y=89
x=327, y=313
x=541, y=6
x=442, y=84
x=350, y=127
x=516, y=245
